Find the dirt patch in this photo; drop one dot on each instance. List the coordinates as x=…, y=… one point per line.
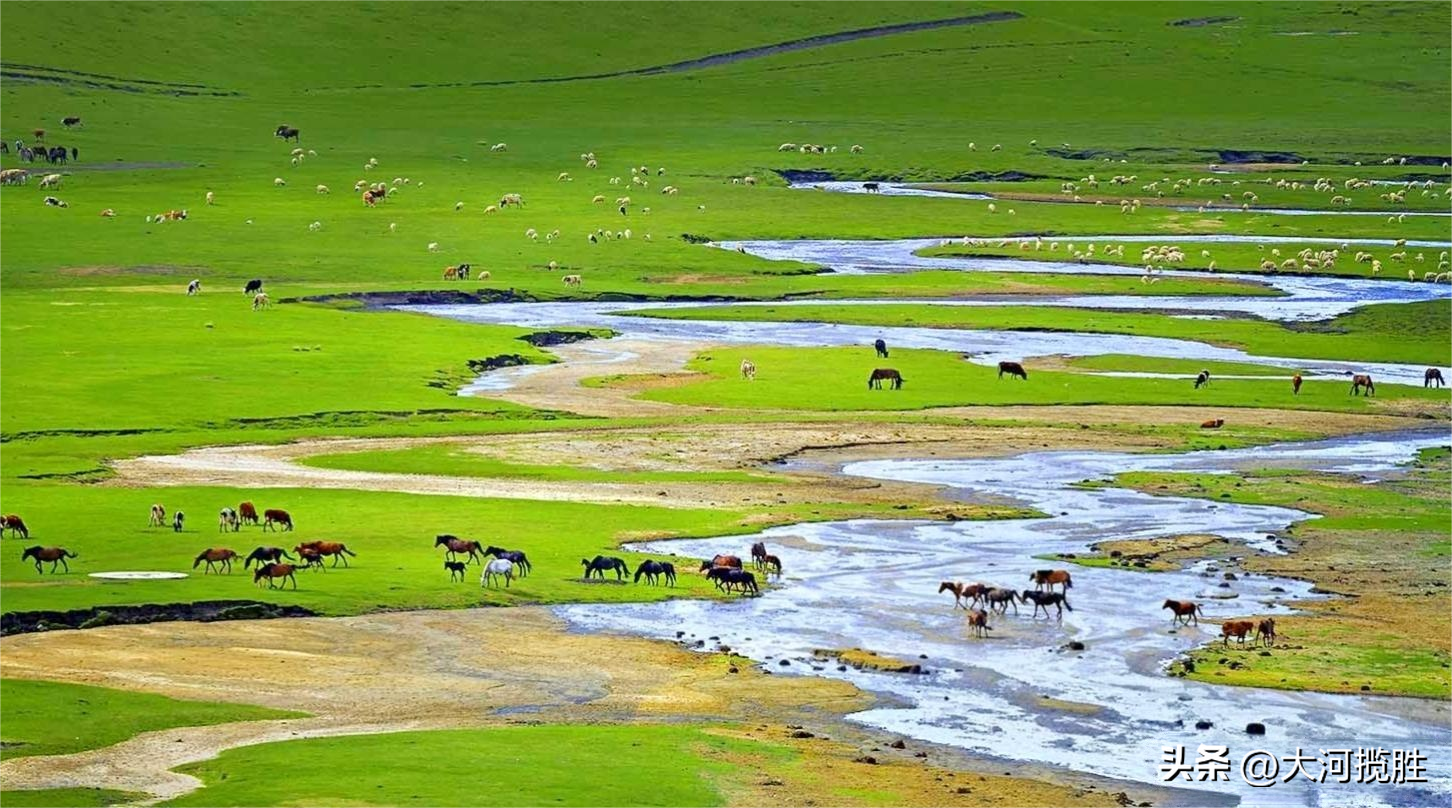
x=202, y=611
x=159, y=270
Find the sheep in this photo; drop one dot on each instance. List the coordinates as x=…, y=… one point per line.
x=50, y=181
x=598, y=199
x=571, y=280
x=670, y=190
x=564, y=177
x=786, y=147
x=992, y=208
x=433, y=246
x=531, y=234
x=315, y=226
x=997, y=147
x=491, y=209
x=260, y=301
x=323, y=189
x=393, y=227
x=614, y=180
x=552, y=266
x=623, y=201
x=972, y=146
x=458, y=206
x=591, y=163
x=108, y=213
x=499, y=147
x=279, y=182
x=856, y=149
x=211, y=198
x=748, y=180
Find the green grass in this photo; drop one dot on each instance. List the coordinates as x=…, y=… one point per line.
x=54, y=718
x=70, y=797
x=1124, y=363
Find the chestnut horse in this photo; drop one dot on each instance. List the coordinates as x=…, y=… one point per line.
x=1184, y=611
x=338, y=550
x=978, y=623
x=55, y=555
x=972, y=593
x=278, y=516
x=457, y=545
x=219, y=556
x=721, y=561
x=274, y=571
x=1042, y=578
x=1237, y=629
x=1296, y=385
x=15, y=524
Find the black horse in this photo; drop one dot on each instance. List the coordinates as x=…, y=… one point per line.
x=599, y=564
x=730, y=578
x=881, y=347
x=1043, y=600
x=519, y=559
x=456, y=569
x=654, y=570
x=263, y=555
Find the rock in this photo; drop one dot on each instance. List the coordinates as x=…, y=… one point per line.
x=1230, y=576
x=1075, y=645
x=1115, y=553
x=964, y=790
x=1188, y=665
x=784, y=662
x=1203, y=724
x=801, y=733
x=1255, y=728
x=920, y=754
x=1365, y=688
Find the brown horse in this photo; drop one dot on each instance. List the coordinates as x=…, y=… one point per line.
x=894, y=379
x=311, y=559
x=972, y=593
x=338, y=550
x=1433, y=378
x=14, y=524
x=247, y=512
x=1049, y=578
x=1012, y=369
x=278, y=516
x=458, y=545
x=274, y=571
x=1265, y=631
x=55, y=555
x=220, y=556
x=1359, y=381
x=1237, y=629
x=978, y=623
x=771, y=564
x=721, y=561
x=1296, y=385
x=758, y=554
x=1184, y=611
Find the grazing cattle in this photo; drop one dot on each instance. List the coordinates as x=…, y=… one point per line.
x=276, y=516
x=51, y=181
x=881, y=347
x=272, y=572
x=1184, y=611
x=1049, y=578
x=455, y=545
x=653, y=571
x=14, y=524
x=456, y=570
x=1360, y=382
x=748, y=370
x=247, y=512
x=1000, y=599
x=874, y=381
x=1012, y=369
x=177, y=520
x=872, y=187
x=338, y=550
x=260, y=301
x=515, y=557
x=56, y=203
x=1296, y=385
x=173, y=216
x=1265, y=631
x=219, y=557
x=70, y=120
x=158, y=516
x=498, y=568
x=978, y=623
x=252, y=287
x=721, y=561
x=599, y=564
x=287, y=133
x=1043, y=600
x=572, y=280
x=194, y=287
x=55, y=555
x=1214, y=423
x=1433, y=378
x=1237, y=629
x=263, y=555
x=1201, y=379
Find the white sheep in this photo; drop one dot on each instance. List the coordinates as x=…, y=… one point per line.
x=315, y=226
x=323, y=189
x=458, y=206
x=211, y=198
x=598, y=199
x=856, y=149
x=279, y=182
x=499, y=147
x=433, y=246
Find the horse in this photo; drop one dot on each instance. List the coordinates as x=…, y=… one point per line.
x=498, y=567
x=874, y=382
x=338, y=550
x=158, y=516
x=961, y=592
x=978, y=623
x=1042, y=578
x=247, y=513
x=456, y=545
x=264, y=555
x=1433, y=378
x=599, y=564
x=1296, y=385
x=177, y=520
x=1043, y=600
x=728, y=578
x=1012, y=369
x=14, y=524
x=872, y=187
x=1201, y=379
x=311, y=558
x=227, y=520
x=1237, y=629
x=772, y=564
x=1184, y=611
x=1213, y=423
x=748, y=370
x=1360, y=380
x=653, y=570
x=286, y=133
x=1001, y=599
x=274, y=571
x=456, y=569
x=881, y=346
x=758, y=554
x=276, y=516
x=1265, y=631
x=220, y=556
x=721, y=561
x=55, y=555
x=517, y=557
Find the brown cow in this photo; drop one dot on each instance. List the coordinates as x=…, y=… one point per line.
x=276, y=515
x=1184, y=611
x=1296, y=385
x=1213, y=423
x=1359, y=381
x=978, y=623
x=14, y=524
x=1012, y=369
x=874, y=382
x=247, y=512
x=1265, y=631
x=338, y=550
x=1238, y=629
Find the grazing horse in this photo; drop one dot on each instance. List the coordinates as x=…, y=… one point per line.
x=772, y=564
x=881, y=347
x=1359, y=381
x=1213, y=423
x=978, y=623
x=456, y=545
x=252, y=287
x=263, y=555
x=517, y=557
x=1012, y=369
x=14, y=524
x=1296, y=385
x=338, y=550
x=1237, y=629
x=247, y=513
x=1433, y=378
x=730, y=578
x=55, y=555
x=1201, y=379
x=721, y=561
x=654, y=570
x=500, y=567
x=1043, y=600
x=286, y=133
x=219, y=556
x=599, y=564
x=158, y=516
x=1184, y=611
x=1001, y=599
x=748, y=370
x=227, y=520
x=1265, y=631
x=456, y=569
x=874, y=382
x=177, y=520
x=274, y=571
x=278, y=516
x=1049, y=578
x=758, y=554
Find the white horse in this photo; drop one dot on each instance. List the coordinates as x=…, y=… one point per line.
x=498, y=566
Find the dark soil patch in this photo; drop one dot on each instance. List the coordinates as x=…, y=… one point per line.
x=201, y=611
x=809, y=175
x=1201, y=22
x=544, y=339
x=496, y=362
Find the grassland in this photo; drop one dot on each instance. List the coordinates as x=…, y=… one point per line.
x=73, y=797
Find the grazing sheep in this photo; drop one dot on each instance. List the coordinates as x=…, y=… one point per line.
x=211, y=198
x=279, y=182
x=491, y=209
x=598, y=199
x=992, y=208
x=591, y=163
x=564, y=177
x=856, y=149
x=748, y=180
x=315, y=226
x=323, y=189
x=433, y=246
x=499, y=147
x=571, y=280
x=531, y=234
x=108, y=213
x=458, y=206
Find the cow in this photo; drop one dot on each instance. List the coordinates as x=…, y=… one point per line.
x=1214, y=423
x=286, y=133
x=277, y=516
x=70, y=120
x=872, y=187
x=874, y=382
x=253, y=287
x=1012, y=369
x=1201, y=379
